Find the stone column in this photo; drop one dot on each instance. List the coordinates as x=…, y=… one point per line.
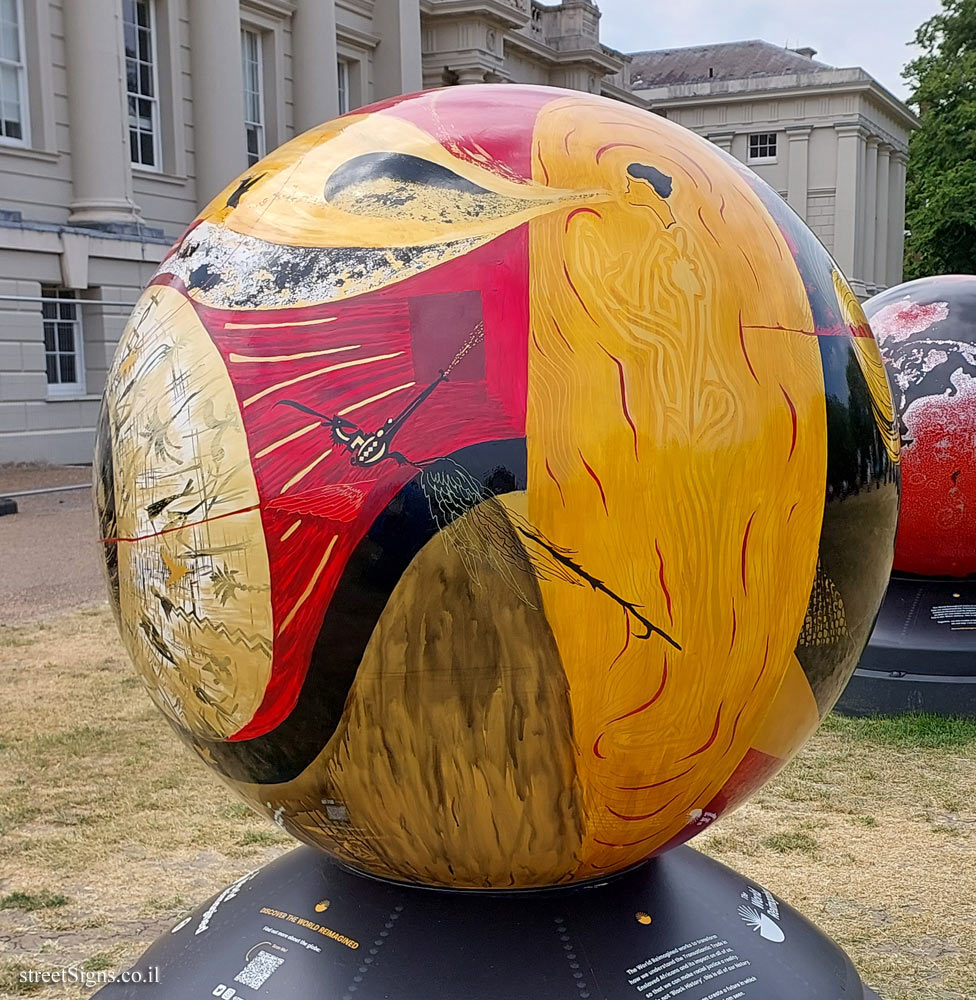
x=848, y=237
x=397, y=65
x=870, y=220
x=896, y=215
x=314, y=63
x=882, y=234
x=101, y=174
x=220, y=152
x=798, y=169
x=470, y=74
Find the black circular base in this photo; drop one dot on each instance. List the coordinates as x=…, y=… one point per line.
x=922, y=653
x=680, y=926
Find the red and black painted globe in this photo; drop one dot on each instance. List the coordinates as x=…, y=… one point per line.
x=497, y=485
x=926, y=330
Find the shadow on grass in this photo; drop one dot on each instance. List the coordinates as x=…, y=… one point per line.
x=907, y=732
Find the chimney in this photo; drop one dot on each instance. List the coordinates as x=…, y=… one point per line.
x=806, y=51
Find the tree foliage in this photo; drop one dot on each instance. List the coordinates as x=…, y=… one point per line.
x=941, y=182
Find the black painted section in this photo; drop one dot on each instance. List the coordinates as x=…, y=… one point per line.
x=373, y=570
x=401, y=167
x=583, y=943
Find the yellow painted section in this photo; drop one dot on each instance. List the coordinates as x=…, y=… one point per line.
x=792, y=718
x=702, y=456
x=285, y=203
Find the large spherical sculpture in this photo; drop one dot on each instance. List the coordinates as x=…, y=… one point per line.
x=462, y=477
x=927, y=333
x=922, y=653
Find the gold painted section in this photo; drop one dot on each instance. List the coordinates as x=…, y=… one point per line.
x=453, y=761
x=792, y=718
x=869, y=360
x=193, y=569
x=286, y=202
x=695, y=294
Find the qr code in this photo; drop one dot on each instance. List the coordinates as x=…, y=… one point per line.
x=257, y=972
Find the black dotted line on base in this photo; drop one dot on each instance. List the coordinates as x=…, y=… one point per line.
x=569, y=951
x=374, y=951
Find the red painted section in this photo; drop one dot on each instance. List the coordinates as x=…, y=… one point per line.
x=937, y=525
x=926, y=331
x=754, y=770
x=483, y=400
x=479, y=127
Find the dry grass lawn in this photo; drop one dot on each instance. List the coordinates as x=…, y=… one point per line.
x=110, y=830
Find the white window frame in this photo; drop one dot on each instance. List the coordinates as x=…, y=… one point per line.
x=342, y=83
x=156, y=166
x=22, y=95
x=762, y=158
x=258, y=125
x=64, y=297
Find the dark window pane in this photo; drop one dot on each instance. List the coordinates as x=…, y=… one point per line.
x=129, y=33
x=129, y=11
x=66, y=338
x=142, y=9
x=145, y=112
x=12, y=129
x=48, y=336
x=145, y=46
x=49, y=310
x=148, y=153
x=131, y=77
x=145, y=80
x=133, y=145
x=68, y=368
x=52, y=369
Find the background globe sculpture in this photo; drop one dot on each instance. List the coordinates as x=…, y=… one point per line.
x=462, y=479
x=922, y=656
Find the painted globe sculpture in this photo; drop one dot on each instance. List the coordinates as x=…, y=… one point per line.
x=462, y=478
x=926, y=330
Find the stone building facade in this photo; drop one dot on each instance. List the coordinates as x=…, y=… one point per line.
x=120, y=119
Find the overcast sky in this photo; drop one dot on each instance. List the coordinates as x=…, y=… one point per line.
x=867, y=33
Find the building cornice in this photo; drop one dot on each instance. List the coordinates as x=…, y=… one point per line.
x=599, y=59
x=620, y=94
x=787, y=85
x=509, y=15
x=354, y=36
x=281, y=9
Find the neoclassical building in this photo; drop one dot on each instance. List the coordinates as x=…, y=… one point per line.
x=120, y=119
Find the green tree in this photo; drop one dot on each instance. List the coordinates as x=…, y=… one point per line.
x=941, y=184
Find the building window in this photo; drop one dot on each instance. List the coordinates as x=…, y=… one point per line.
x=13, y=73
x=62, y=341
x=253, y=95
x=140, y=82
x=343, y=68
x=762, y=147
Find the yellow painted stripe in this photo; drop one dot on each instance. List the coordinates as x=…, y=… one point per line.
x=311, y=586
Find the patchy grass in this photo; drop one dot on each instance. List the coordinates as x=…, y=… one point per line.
x=28, y=901
x=871, y=832
x=785, y=843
